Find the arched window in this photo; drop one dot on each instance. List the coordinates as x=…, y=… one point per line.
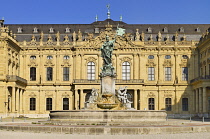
x=32, y=74
x=126, y=71
x=91, y=71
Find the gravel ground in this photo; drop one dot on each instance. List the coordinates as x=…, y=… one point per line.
x=26, y=135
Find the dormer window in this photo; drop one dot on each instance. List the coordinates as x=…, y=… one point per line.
x=181, y=29
x=96, y=30
x=149, y=30
x=51, y=30
x=19, y=30
x=165, y=30
x=32, y=57
x=66, y=57
x=67, y=30
x=49, y=57
x=35, y=30
x=198, y=29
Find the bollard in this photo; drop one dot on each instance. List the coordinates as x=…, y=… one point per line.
x=13, y=119
x=49, y=118
x=166, y=118
x=190, y=119
x=203, y=119
x=24, y=119
x=1, y=119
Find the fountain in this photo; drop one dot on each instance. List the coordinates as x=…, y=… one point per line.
x=107, y=104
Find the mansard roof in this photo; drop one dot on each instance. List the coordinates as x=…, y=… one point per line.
x=188, y=29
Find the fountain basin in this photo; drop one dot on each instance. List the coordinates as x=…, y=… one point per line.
x=107, y=105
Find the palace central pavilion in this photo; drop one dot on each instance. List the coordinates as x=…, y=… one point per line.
x=47, y=67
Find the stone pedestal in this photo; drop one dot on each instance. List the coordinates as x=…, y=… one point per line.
x=108, y=85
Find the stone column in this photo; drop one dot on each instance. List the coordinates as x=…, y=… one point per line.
x=21, y=101
x=135, y=66
x=117, y=67
x=17, y=100
x=196, y=100
x=204, y=100
x=76, y=99
x=135, y=99
x=13, y=99
x=81, y=99
x=82, y=68
x=200, y=100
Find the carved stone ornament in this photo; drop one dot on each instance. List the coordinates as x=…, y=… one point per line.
x=120, y=41
x=32, y=95
x=32, y=63
x=91, y=59
x=150, y=63
x=151, y=95
x=33, y=41
x=168, y=94
x=167, y=63
x=66, y=63
x=49, y=62
x=125, y=59
x=49, y=94
x=65, y=95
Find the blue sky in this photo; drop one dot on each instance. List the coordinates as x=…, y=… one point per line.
x=84, y=11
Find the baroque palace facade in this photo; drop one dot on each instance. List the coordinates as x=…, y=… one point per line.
x=47, y=67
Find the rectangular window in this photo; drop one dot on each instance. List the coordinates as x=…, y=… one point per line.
x=151, y=103
x=168, y=73
x=151, y=73
x=184, y=104
x=32, y=104
x=65, y=103
x=184, y=73
x=49, y=73
x=66, y=74
x=48, y=104
x=168, y=104
x=32, y=74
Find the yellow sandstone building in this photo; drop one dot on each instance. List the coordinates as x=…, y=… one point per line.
x=47, y=67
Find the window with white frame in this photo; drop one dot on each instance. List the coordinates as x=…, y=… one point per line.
x=126, y=71
x=151, y=73
x=167, y=73
x=91, y=71
x=184, y=73
x=32, y=73
x=49, y=73
x=65, y=73
x=151, y=103
x=168, y=104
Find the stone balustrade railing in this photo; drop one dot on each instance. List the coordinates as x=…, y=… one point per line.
x=116, y=81
x=206, y=77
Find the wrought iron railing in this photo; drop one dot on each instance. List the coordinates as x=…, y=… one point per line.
x=206, y=77
x=14, y=78
x=117, y=81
